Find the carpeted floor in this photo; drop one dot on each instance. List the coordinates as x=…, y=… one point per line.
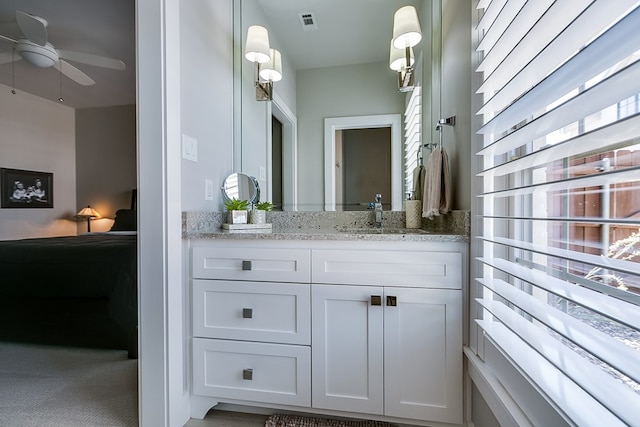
x=44, y=386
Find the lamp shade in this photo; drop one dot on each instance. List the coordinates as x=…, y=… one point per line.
x=406, y=27
x=398, y=58
x=272, y=70
x=88, y=212
x=257, y=47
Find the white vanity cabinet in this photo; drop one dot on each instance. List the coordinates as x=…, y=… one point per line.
x=367, y=329
x=387, y=333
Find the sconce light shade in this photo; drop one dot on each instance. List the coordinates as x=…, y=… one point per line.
x=406, y=28
x=257, y=47
x=272, y=70
x=398, y=58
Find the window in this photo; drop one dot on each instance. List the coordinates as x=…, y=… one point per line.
x=412, y=139
x=557, y=234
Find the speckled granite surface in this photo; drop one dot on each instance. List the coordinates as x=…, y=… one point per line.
x=331, y=226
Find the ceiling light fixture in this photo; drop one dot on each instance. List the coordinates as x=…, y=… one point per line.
x=406, y=35
x=268, y=62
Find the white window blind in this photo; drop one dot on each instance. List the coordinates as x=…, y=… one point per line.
x=412, y=137
x=557, y=232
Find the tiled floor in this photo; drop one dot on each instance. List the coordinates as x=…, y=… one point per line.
x=228, y=419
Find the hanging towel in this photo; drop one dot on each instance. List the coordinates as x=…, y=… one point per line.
x=437, y=192
x=418, y=182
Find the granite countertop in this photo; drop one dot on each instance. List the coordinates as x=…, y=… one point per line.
x=363, y=234
x=347, y=226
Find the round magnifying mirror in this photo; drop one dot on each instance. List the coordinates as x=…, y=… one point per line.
x=242, y=187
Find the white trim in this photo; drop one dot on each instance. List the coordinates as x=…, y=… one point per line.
x=162, y=399
x=501, y=404
x=279, y=109
x=332, y=124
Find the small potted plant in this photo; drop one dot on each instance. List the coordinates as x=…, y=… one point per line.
x=259, y=214
x=237, y=210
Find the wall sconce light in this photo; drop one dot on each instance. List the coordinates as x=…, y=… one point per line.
x=88, y=213
x=398, y=62
x=268, y=62
x=406, y=34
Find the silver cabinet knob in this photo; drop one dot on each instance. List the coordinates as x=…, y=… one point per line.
x=247, y=374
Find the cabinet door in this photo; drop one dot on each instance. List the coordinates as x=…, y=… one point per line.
x=347, y=371
x=423, y=354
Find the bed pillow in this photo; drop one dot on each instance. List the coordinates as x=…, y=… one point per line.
x=126, y=220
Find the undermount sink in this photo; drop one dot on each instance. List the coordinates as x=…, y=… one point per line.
x=383, y=230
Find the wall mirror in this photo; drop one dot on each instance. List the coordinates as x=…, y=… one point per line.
x=335, y=64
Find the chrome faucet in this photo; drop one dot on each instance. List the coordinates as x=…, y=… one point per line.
x=378, y=209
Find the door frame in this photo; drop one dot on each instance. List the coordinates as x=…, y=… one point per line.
x=333, y=124
x=279, y=109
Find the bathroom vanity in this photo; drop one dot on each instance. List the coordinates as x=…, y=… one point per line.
x=352, y=323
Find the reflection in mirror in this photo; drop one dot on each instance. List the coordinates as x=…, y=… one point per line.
x=338, y=68
x=241, y=187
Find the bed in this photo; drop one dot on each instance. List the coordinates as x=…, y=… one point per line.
x=73, y=290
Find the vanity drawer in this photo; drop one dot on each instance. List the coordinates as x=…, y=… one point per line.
x=427, y=269
x=260, y=264
x=259, y=372
x=253, y=311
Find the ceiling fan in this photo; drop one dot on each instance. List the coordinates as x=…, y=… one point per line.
x=35, y=49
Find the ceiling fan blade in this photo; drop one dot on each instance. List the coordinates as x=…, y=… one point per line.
x=7, y=57
x=9, y=39
x=88, y=58
x=73, y=73
x=33, y=27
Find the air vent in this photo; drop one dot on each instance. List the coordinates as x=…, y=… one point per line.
x=308, y=21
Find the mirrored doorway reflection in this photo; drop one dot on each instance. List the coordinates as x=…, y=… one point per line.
x=334, y=188
x=276, y=164
x=363, y=167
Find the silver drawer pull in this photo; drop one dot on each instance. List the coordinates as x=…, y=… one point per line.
x=247, y=313
x=247, y=374
x=246, y=265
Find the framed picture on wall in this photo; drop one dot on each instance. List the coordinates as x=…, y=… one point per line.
x=25, y=189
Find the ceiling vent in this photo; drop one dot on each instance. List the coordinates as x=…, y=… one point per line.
x=308, y=21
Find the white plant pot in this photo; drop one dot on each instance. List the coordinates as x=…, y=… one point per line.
x=237, y=217
x=257, y=216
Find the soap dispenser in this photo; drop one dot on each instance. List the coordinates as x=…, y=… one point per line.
x=413, y=212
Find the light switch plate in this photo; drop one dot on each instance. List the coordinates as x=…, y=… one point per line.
x=208, y=189
x=263, y=173
x=189, y=148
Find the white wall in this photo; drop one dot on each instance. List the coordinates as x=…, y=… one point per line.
x=38, y=135
x=456, y=96
x=105, y=161
x=354, y=90
x=206, y=57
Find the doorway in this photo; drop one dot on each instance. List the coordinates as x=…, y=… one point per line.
x=333, y=144
x=276, y=163
x=363, y=168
